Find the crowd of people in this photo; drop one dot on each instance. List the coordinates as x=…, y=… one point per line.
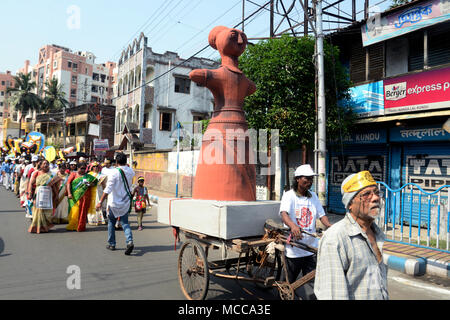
x=76, y=192
x=349, y=262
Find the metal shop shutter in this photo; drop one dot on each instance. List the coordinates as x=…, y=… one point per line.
x=426, y=165
x=356, y=158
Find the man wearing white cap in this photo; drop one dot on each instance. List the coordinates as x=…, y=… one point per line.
x=349, y=261
x=299, y=210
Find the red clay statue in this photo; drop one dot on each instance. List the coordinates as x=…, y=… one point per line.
x=226, y=170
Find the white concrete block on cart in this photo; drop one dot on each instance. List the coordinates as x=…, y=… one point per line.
x=221, y=219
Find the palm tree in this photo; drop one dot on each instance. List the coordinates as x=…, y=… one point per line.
x=54, y=96
x=55, y=101
x=22, y=98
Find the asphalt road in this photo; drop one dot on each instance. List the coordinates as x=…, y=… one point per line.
x=46, y=266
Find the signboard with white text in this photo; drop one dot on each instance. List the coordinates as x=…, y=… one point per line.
x=417, y=92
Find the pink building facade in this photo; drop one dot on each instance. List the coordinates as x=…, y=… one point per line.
x=82, y=80
x=6, y=81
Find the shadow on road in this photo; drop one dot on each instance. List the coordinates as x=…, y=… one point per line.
x=13, y=211
x=140, y=251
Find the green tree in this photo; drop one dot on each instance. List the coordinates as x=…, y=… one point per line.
x=22, y=98
x=54, y=99
x=284, y=73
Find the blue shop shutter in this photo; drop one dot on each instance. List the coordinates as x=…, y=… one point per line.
x=427, y=179
x=369, y=151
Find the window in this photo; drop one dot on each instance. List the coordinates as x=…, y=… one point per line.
x=165, y=121
x=1, y=104
x=415, y=58
x=71, y=129
x=3, y=83
x=73, y=93
x=438, y=45
x=95, y=77
x=74, y=79
x=182, y=85
x=55, y=64
x=75, y=66
x=69, y=64
x=2, y=93
x=94, y=89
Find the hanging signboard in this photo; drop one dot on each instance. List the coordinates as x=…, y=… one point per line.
x=367, y=100
x=101, y=145
x=422, y=15
x=93, y=129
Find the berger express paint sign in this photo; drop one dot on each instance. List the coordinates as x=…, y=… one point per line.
x=417, y=92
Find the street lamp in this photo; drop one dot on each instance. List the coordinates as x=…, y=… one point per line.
x=178, y=138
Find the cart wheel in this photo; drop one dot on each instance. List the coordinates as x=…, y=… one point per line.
x=286, y=291
x=193, y=272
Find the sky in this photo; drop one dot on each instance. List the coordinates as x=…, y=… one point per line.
x=106, y=27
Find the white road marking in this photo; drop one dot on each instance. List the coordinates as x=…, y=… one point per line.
x=421, y=286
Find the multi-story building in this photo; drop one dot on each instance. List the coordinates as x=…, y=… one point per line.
x=6, y=81
x=152, y=95
x=83, y=80
x=399, y=63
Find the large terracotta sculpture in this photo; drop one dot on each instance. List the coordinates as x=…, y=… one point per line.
x=218, y=178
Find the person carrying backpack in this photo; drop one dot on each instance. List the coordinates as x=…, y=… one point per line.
x=142, y=200
x=119, y=202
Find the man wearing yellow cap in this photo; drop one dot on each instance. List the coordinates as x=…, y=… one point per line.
x=349, y=261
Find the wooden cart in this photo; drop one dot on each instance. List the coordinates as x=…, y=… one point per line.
x=253, y=263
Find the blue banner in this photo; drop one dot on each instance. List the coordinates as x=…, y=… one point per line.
x=419, y=134
x=367, y=100
x=366, y=137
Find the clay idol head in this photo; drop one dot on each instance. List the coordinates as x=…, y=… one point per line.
x=228, y=41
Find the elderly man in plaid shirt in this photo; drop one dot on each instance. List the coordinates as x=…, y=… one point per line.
x=350, y=262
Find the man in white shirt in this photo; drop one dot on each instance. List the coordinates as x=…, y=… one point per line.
x=107, y=167
x=299, y=210
x=107, y=170
x=119, y=201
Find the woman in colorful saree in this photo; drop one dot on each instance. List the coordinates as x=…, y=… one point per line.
x=95, y=217
x=42, y=186
x=61, y=202
x=79, y=192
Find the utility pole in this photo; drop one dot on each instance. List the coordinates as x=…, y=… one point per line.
x=243, y=14
x=271, y=18
x=305, y=19
x=100, y=123
x=64, y=126
x=321, y=110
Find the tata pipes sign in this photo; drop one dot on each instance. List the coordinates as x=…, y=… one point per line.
x=417, y=92
x=422, y=15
